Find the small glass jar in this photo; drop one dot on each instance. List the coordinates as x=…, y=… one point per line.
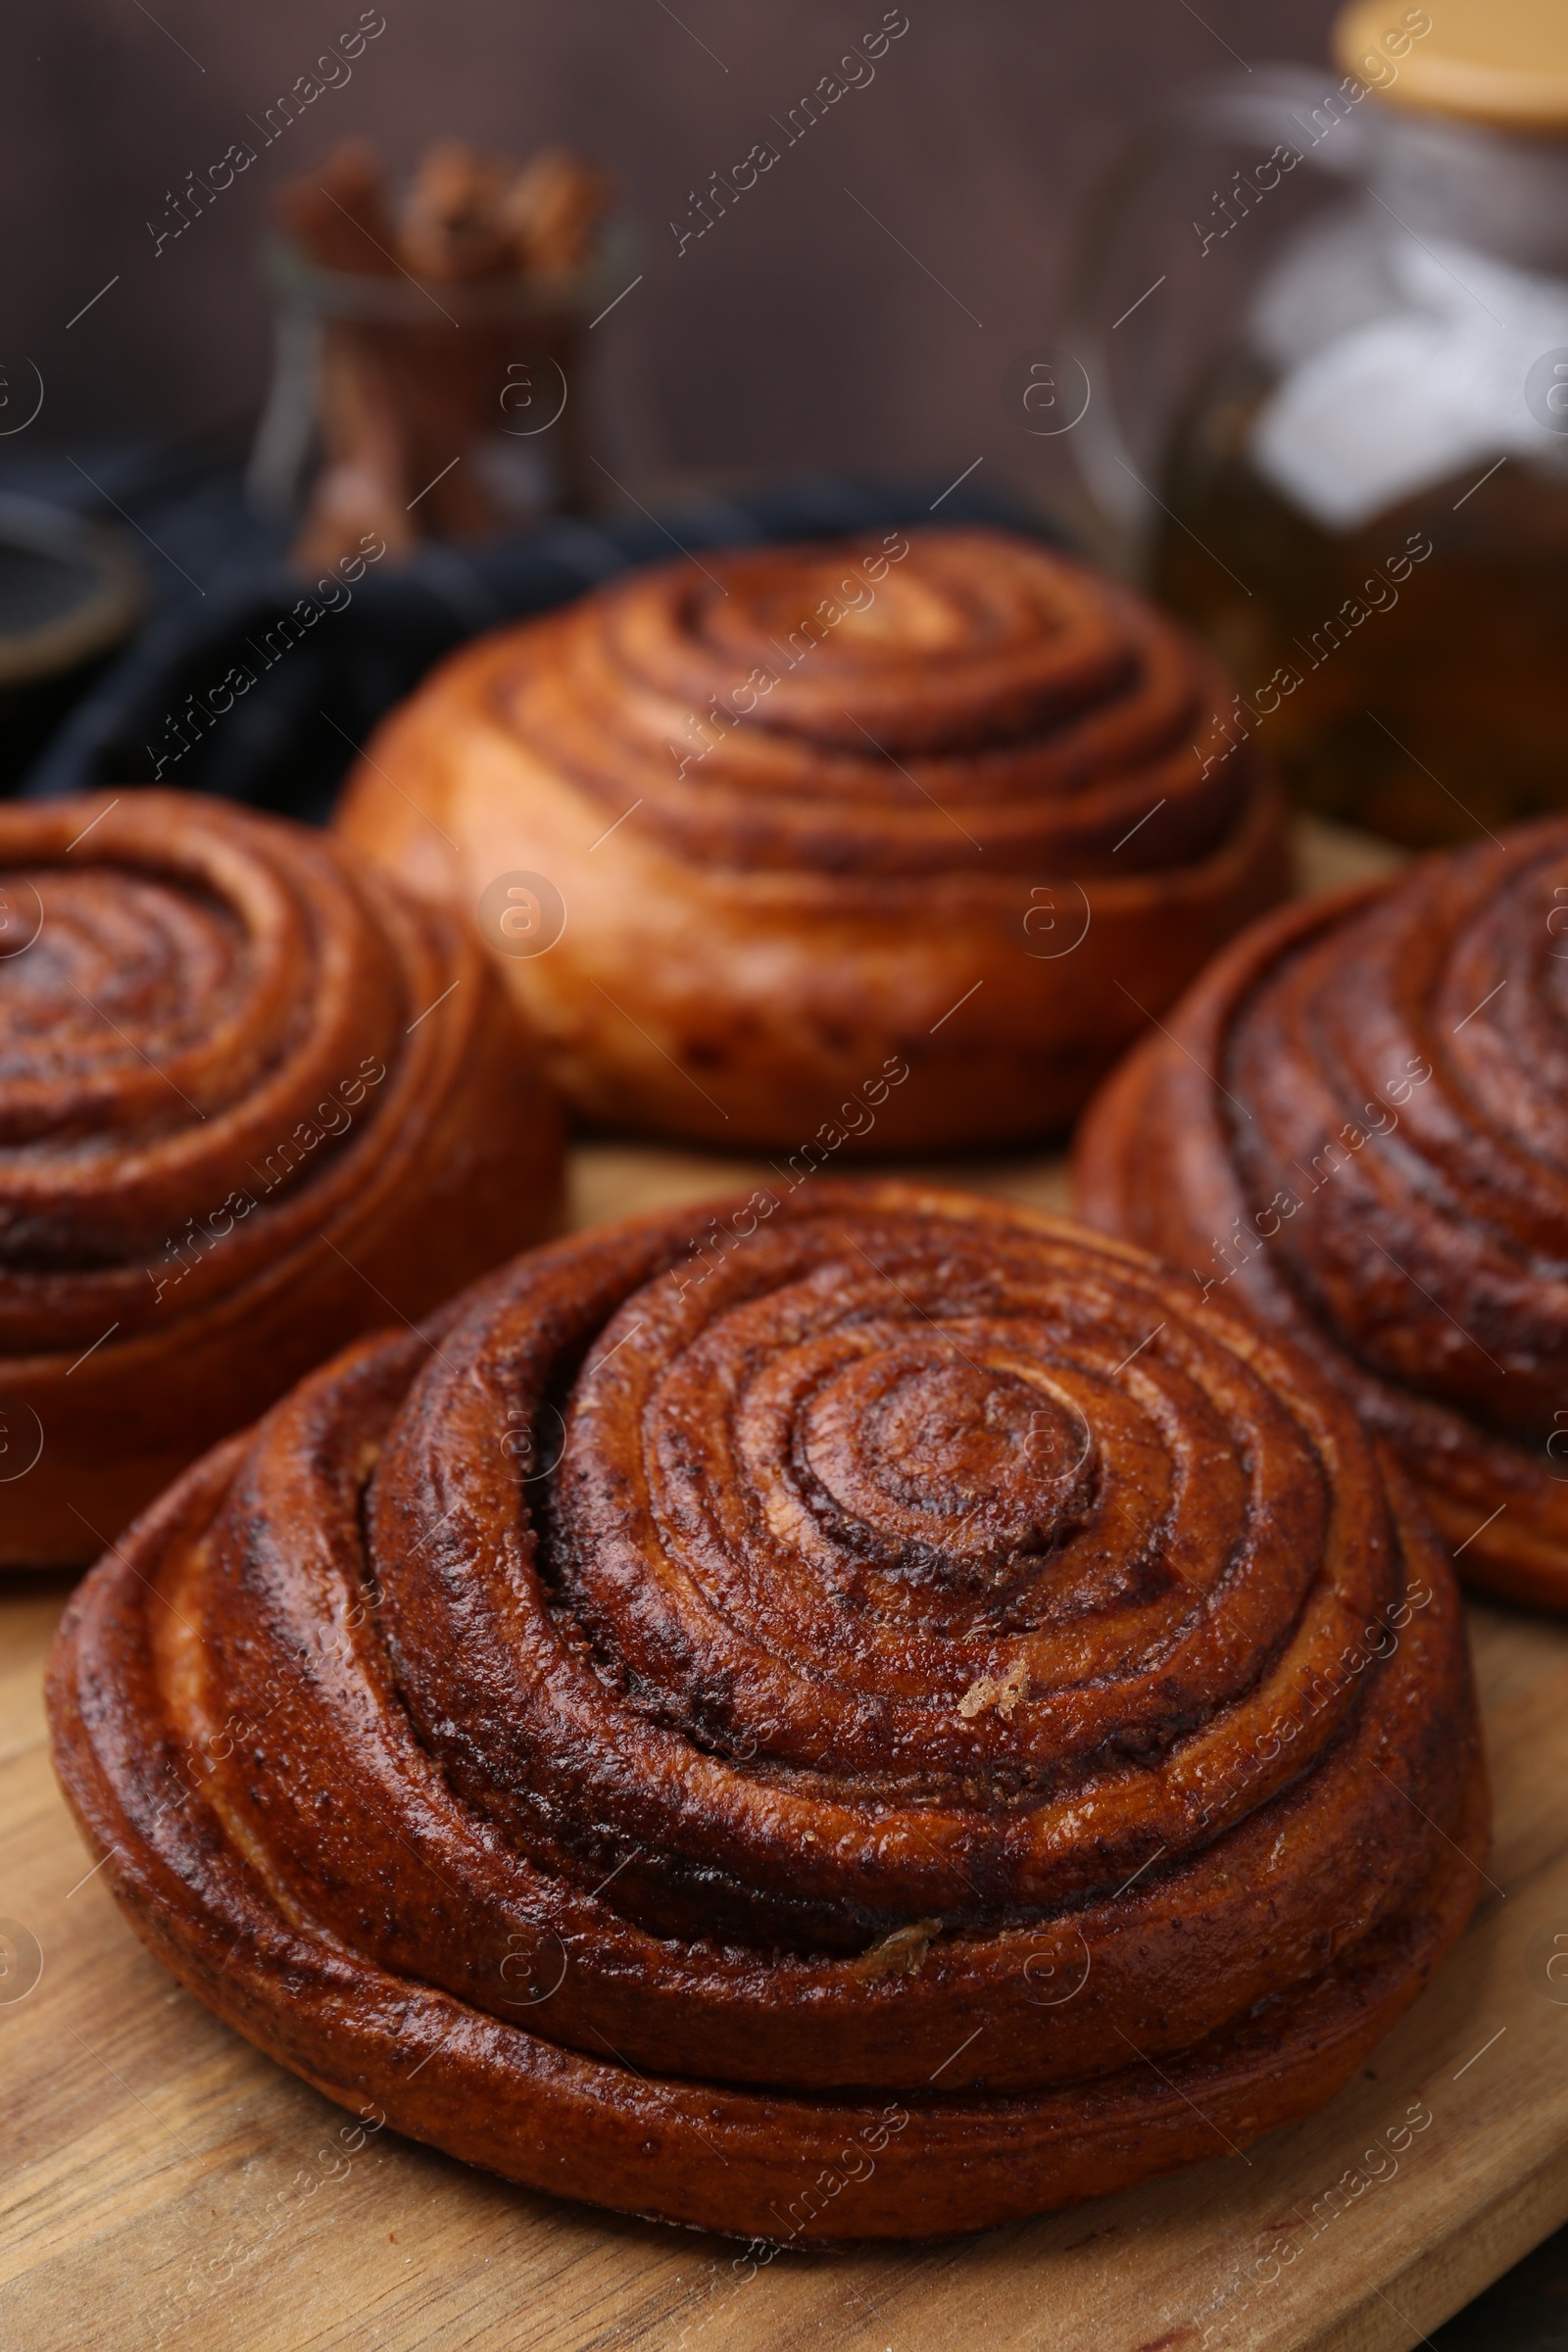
x=461, y=403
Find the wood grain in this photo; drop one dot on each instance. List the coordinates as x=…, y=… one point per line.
x=166, y=2185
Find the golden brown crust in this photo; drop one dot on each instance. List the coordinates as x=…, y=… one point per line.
x=961, y=826
x=1379, y=1168
x=251, y=1105
x=901, y=1701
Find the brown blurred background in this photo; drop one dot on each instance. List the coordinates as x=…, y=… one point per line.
x=797, y=332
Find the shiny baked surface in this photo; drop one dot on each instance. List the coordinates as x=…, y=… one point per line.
x=875, y=1683
x=251, y=1102
x=1379, y=1168
x=832, y=707
x=945, y=796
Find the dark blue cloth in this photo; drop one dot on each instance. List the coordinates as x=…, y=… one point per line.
x=286, y=741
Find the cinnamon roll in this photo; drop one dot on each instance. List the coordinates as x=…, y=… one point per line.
x=1356, y=1126
x=775, y=821
x=878, y=1720
x=252, y=1104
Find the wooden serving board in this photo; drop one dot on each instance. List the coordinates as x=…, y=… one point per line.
x=164, y=2185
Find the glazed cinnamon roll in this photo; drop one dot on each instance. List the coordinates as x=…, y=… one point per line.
x=873, y=1716
x=251, y=1105
x=747, y=832
x=1356, y=1126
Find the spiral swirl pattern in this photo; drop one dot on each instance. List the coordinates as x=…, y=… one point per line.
x=799, y=800
x=1380, y=1169
x=249, y=1105
x=1047, y=704
x=685, y=1719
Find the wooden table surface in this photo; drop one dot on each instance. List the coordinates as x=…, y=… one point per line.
x=167, y=2184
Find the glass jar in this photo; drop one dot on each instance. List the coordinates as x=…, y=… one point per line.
x=467, y=398
x=1355, y=483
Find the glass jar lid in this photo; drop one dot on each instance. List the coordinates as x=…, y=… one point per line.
x=1502, y=62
